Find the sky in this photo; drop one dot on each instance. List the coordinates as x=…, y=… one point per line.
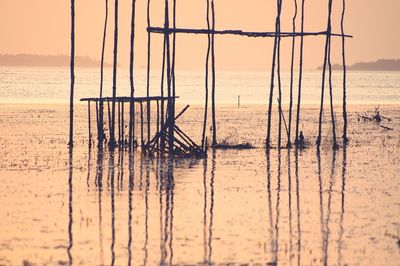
x=43, y=27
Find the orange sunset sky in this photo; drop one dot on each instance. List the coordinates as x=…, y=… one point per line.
x=43, y=27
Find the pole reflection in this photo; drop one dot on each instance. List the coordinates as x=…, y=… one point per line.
x=343, y=189
x=130, y=204
x=70, y=209
x=284, y=212
x=298, y=207
x=111, y=174
x=99, y=185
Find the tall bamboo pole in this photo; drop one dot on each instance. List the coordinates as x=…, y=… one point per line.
x=206, y=78
x=148, y=69
x=345, y=140
x=89, y=126
x=169, y=106
x=172, y=130
x=72, y=70
x=271, y=91
x=300, y=74
x=289, y=143
x=279, y=83
x=131, y=76
x=214, y=122
x=331, y=96
x=328, y=32
x=101, y=104
x=114, y=90
x=162, y=144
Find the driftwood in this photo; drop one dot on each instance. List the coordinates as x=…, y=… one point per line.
x=182, y=144
x=387, y=128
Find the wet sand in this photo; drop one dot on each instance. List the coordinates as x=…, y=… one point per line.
x=234, y=207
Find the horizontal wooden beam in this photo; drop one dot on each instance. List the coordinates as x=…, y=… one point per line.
x=128, y=99
x=160, y=30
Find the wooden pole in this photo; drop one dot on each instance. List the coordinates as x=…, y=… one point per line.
x=97, y=122
x=271, y=92
x=89, y=126
x=162, y=93
x=131, y=76
x=345, y=140
x=300, y=75
x=158, y=121
x=279, y=83
x=172, y=130
x=141, y=124
x=206, y=78
x=114, y=88
x=331, y=96
x=289, y=143
x=109, y=118
x=214, y=122
x=272, y=34
x=122, y=124
x=119, y=123
x=148, y=69
x=324, y=73
x=169, y=107
x=101, y=104
x=72, y=70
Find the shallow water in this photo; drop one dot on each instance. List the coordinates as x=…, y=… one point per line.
x=51, y=85
x=234, y=207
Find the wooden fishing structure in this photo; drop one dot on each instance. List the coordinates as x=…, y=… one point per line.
x=168, y=137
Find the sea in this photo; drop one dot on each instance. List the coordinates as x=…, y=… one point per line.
x=233, y=207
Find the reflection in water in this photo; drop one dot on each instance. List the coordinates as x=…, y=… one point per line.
x=205, y=210
x=271, y=230
x=210, y=230
x=70, y=213
x=111, y=174
x=278, y=198
x=328, y=216
x=325, y=229
x=208, y=225
x=281, y=249
x=166, y=187
x=341, y=227
x=99, y=185
x=298, y=207
x=146, y=225
x=290, y=205
x=130, y=207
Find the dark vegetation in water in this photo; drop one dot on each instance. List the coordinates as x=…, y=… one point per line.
x=227, y=146
x=375, y=117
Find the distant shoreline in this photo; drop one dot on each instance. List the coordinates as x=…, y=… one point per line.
x=379, y=65
x=47, y=61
